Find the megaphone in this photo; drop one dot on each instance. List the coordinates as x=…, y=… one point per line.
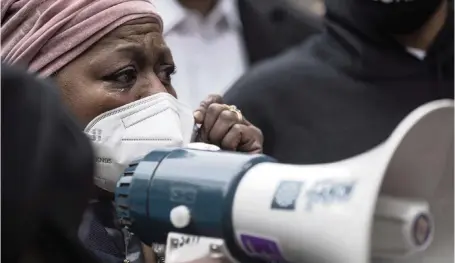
x=393, y=203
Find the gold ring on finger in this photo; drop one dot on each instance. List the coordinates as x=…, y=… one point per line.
x=233, y=108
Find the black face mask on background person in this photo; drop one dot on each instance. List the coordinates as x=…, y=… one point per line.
x=395, y=17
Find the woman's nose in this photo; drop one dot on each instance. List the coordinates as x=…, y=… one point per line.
x=152, y=87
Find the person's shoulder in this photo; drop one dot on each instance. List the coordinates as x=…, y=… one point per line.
x=286, y=12
x=283, y=73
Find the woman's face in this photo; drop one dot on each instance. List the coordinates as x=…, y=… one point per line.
x=130, y=63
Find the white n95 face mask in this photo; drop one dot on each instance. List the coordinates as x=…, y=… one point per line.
x=128, y=133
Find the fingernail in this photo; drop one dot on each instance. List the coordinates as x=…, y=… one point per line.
x=197, y=115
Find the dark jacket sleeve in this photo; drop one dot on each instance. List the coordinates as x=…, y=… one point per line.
x=101, y=234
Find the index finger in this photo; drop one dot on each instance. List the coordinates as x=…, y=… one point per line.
x=199, y=113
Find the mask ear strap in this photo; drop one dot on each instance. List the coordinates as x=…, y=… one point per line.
x=127, y=236
x=160, y=252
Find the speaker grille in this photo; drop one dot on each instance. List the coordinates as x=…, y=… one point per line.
x=122, y=194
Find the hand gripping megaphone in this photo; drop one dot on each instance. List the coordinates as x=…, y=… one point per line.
x=393, y=203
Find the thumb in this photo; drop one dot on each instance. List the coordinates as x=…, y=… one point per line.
x=198, y=116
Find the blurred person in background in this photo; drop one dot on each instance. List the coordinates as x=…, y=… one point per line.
x=47, y=174
x=313, y=6
x=214, y=42
x=113, y=68
x=343, y=92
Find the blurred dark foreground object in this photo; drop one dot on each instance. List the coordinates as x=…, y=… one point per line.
x=47, y=173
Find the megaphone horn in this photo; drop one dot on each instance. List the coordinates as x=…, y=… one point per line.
x=334, y=221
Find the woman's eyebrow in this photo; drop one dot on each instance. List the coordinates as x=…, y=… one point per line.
x=115, y=54
x=135, y=52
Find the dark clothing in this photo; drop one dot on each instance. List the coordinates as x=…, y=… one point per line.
x=272, y=26
x=341, y=93
x=47, y=173
x=101, y=233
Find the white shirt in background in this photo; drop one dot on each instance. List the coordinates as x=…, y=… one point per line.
x=416, y=52
x=208, y=52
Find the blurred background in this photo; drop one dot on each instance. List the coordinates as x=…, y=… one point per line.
x=314, y=6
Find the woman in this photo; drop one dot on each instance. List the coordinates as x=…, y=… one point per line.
x=114, y=71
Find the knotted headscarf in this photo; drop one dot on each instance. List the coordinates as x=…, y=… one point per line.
x=46, y=35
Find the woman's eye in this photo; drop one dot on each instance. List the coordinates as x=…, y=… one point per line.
x=126, y=76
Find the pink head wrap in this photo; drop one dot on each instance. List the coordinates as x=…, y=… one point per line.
x=46, y=35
